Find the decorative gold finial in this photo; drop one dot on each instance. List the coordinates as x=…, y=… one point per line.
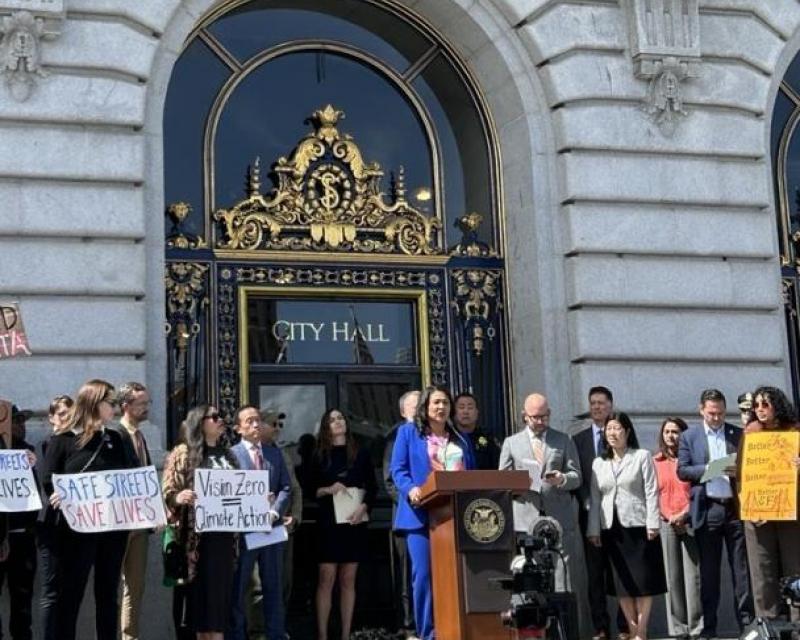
x=179, y=211
x=470, y=222
x=400, y=185
x=255, y=177
x=326, y=120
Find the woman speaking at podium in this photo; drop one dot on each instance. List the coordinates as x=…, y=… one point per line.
x=430, y=443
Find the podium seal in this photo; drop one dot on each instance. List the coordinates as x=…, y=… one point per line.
x=484, y=520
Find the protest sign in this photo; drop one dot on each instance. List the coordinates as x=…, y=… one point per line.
x=18, y=490
x=116, y=500
x=13, y=340
x=231, y=500
x=769, y=477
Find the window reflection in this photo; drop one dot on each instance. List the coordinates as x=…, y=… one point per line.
x=257, y=26
x=264, y=117
x=197, y=78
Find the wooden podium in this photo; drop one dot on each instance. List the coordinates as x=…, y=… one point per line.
x=466, y=510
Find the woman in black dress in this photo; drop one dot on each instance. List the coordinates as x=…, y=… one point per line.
x=211, y=555
x=624, y=520
x=85, y=445
x=340, y=465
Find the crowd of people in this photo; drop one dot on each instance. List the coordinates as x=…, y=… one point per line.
x=636, y=522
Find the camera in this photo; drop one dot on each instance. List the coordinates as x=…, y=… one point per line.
x=769, y=629
x=536, y=610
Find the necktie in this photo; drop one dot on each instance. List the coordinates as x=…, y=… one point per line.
x=598, y=444
x=538, y=449
x=140, y=450
x=258, y=459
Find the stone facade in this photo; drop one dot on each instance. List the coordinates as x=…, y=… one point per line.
x=637, y=259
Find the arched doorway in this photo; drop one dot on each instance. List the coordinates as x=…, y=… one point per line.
x=335, y=234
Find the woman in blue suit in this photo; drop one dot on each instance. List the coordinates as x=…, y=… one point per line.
x=430, y=443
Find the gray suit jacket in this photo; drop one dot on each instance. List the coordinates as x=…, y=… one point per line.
x=561, y=455
x=632, y=488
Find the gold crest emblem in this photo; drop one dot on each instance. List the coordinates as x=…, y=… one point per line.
x=484, y=520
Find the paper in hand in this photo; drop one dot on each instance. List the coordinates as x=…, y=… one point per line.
x=346, y=502
x=258, y=539
x=534, y=470
x=716, y=468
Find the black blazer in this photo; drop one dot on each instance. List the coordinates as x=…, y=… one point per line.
x=130, y=450
x=584, y=443
x=692, y=461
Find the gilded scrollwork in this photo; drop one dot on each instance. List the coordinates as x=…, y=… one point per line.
x=476, y=301
x=327, y=198
x=186, y=293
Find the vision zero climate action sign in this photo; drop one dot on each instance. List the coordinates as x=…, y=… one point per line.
x=231, y=500
x=115, y=500
x=18, y=490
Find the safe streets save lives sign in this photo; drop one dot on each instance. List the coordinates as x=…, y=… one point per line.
x=18, y=491
x=115, y=500
x=229, y=500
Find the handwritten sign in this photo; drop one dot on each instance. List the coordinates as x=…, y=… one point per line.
x=117, y=500
x=769, y=477
x=230, y=500
x=18, y=490
x=13, y=341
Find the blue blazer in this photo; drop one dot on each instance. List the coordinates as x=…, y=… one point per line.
x=692, y=460
x=410, y=468
x=279, y=482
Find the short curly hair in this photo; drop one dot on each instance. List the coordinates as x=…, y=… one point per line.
x=785, y=414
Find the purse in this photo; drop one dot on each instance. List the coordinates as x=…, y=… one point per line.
x=173, y=552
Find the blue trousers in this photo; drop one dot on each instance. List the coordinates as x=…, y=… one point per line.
x=419, y=548
x=270, y=570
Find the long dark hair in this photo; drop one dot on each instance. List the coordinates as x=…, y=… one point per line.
x=325, y=439
x=785, y=414
x=421, y=419
x=196, y=441
x=625, y=421
x=662, y=447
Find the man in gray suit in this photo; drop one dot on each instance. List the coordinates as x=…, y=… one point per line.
x=557, y=458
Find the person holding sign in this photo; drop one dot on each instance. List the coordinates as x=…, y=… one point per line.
x=773, y=546
x=252, y=454
x=430, y=443
x=210, y=555
x=85, y=446
x=340, y=469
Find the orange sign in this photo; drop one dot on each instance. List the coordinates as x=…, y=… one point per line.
x=769, y=477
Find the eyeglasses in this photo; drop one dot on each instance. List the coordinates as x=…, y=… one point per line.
x=212, y=416
x=538, y=417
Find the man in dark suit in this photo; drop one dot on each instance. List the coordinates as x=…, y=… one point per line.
x=487, y=451
x=714, y=510
x=251, y=454
x=134, y=402
x=590, y=444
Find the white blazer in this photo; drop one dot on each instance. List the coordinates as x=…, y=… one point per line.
x=630, y=486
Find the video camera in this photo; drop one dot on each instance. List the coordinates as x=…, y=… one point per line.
x=763, y=629
x=536, y=610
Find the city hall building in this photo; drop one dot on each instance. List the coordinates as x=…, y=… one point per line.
x=315, y=203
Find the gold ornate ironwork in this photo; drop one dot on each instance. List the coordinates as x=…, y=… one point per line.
x=470, y=245
x=186, y=290
x=327, y=199
x=476, y=301
x=178, y=212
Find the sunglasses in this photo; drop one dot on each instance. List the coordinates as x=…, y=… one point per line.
x=212, y=416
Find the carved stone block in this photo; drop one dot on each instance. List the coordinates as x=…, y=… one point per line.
x=24, y=24
x=665, y=46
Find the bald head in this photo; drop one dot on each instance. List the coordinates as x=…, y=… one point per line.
x=536, y=412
